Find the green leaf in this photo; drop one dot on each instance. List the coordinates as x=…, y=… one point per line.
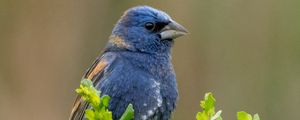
x=208, y=106
x=202, y=116
x=89, y=114
x=128, y=114
x=243, y=116
x=98, y=109
x=105, y=100
x=99, y=106
x=256, y=117
x=217, y=116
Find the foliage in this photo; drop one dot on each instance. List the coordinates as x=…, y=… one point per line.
x=98, y=109
x=241, y=115
x=208, y=106
x=99, y=106
x=128, y=114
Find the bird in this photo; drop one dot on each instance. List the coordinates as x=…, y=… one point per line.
x=135, y=66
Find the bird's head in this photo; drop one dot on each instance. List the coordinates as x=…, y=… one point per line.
x=145, y=29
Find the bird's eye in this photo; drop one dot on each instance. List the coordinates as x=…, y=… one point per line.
x=150, y=26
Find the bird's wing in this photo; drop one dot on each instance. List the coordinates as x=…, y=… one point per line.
x=94, y=73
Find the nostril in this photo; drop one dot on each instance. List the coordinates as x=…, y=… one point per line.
x=159, y=36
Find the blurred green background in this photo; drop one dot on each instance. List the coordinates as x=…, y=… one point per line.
x=247, y=52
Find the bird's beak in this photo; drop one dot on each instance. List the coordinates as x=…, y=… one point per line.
x=173, y=30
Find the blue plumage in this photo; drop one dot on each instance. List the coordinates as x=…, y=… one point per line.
x=136, y=67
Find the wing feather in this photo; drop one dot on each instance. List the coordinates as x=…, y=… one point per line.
x=94, y=73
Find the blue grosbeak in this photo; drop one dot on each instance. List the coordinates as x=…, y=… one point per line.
x=135, y=66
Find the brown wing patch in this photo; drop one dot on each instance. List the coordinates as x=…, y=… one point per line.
x=118, y=41
x=96, y=69
x=75, y=107
x=79, y=105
